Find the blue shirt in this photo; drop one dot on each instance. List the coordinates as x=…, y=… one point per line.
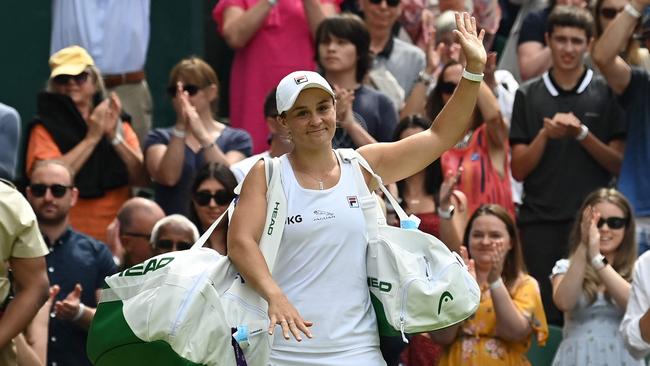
x=114, y=32
x=74, y=258
x=176, y=199
x=634, y=181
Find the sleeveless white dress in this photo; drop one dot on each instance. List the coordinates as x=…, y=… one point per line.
x=321, y=268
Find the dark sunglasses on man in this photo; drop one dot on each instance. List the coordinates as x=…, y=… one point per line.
x=65, y=79
x=221, y=197
x=191, y=89
x=57, y=190
x=165, y=244
x=391, y=3
x=610, y=13
x=612, y=222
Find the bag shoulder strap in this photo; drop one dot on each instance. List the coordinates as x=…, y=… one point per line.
x=275, y=216
x=406, y=221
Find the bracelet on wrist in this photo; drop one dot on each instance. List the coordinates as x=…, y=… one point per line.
x=178, y=133
x=631, y=10
x=496, y=284
x=80, y=313
x=117, y=140
x=446, y=214
x=207, y=146
x=599, y=262
x=584, y=131
x=472, y=76
x=425, y=78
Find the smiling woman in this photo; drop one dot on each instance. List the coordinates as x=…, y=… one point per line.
x=322, y=255
x=79, y=124
x=592, y=287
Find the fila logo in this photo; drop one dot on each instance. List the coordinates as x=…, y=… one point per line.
x=294, y=220
x=353, y=201
x=300, y=79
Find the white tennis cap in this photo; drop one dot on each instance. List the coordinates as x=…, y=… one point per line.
x=291, y=85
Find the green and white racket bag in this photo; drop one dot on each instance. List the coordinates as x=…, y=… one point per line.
x=187, y=307
x=416, y=283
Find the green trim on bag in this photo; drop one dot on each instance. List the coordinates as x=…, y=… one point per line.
x=112, y=342
x=385, y=329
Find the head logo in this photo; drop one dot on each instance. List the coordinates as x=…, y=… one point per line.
x=445, y=297
x=353, y=201
x=300, y=79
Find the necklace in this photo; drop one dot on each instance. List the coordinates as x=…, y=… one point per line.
x=320, y=181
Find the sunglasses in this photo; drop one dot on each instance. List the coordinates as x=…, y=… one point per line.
x=391, y=3
x=221, y=197
x=57, y=190
x=65, y=79
x=166, y=244
x=612, y=222
x=446, y=87
x=191, y=89
x=610, y=13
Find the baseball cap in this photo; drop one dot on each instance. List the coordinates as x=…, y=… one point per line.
x=71, y=60
x=291, y=85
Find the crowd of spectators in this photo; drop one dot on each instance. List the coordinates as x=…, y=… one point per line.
x=546, y=196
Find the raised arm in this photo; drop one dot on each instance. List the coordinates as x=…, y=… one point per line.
x=244, y=233
x=240, y=25
x=605, y=52
x=316, y=12
x=534, y=58
x=403, y=158
x=511, y=324
x=125, y=143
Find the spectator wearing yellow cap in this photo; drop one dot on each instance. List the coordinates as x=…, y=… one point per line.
x=79, y=124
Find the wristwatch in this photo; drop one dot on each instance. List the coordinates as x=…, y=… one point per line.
x=446, y=214
x=425, y=78
x=599, y=262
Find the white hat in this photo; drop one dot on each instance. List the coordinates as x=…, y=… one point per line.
x=291, y=85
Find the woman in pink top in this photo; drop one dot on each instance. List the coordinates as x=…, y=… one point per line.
x=272, y=38
x=483, y=152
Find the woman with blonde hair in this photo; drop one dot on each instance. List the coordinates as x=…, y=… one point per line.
x=173, y=155
x=79, y=124
x=592, y=287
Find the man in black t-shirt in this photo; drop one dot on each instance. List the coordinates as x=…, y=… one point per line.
x=567, y=140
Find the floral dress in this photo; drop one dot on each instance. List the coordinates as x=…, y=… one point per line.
x=477, y=343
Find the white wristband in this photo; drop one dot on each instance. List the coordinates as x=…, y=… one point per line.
x=496, y=284
x=178, y=133
x=80, y=313
x=584, y=131
x=117, y=140
x=631, y=10
x=472, y=76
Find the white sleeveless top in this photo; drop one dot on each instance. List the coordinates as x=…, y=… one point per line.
x=321, y=265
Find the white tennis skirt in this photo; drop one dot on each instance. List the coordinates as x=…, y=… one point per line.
x=366, y=356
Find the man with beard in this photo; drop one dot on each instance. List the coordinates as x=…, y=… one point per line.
x=77, y=264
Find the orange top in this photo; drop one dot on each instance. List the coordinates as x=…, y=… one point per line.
x=90, y=216
x=480, y=180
